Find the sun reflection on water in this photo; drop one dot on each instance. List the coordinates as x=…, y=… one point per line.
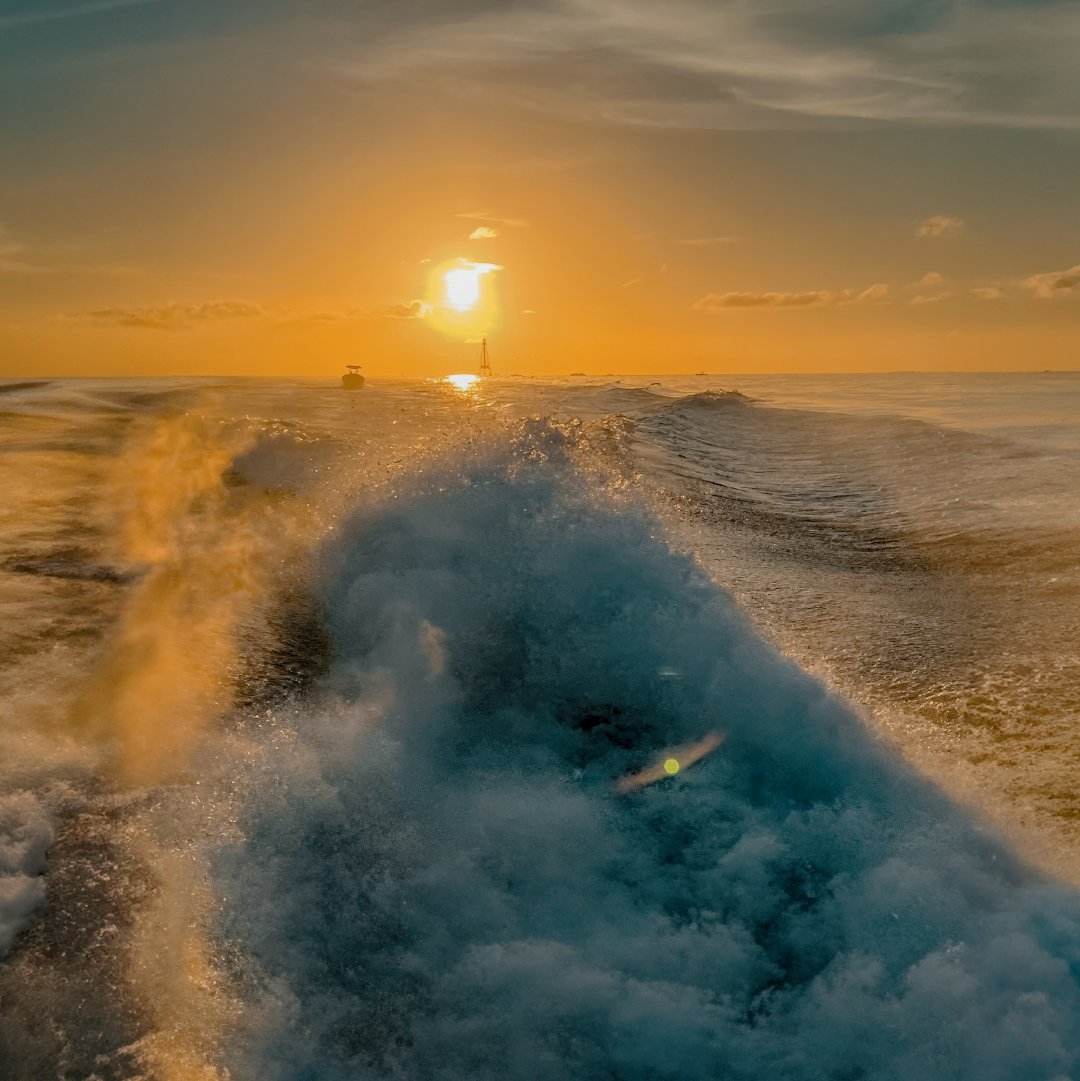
x=462, y=382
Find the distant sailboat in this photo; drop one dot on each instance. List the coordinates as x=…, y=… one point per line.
x=352, y=379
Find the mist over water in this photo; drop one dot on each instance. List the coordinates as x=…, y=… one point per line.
x=316, y=707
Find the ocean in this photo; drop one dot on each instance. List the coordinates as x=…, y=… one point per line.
x=589, y=728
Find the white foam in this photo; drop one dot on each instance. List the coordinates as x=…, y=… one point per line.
x=25, y=836
x=439, y=881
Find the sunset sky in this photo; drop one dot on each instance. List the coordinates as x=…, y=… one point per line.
x=277, y=186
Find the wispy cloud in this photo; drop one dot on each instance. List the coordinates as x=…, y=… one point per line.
x=816, y=298
x=930, y=289
x=1055, y=283
x=411, y=309
x=494, y=219
x=483, y=232
x=729, y=64
x=987, y=292
x=175, y=316
x=939, y=226
x=75, y=11
x=169, y=316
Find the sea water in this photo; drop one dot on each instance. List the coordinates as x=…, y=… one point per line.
x=318, y=708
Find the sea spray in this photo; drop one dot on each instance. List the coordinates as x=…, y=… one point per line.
x=206, y=548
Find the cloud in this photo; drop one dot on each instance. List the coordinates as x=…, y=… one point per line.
x=494, y=219
x=731, y=65
x=632, y=281
x=931, y=280
x=1055, y=283
x=412, y=309
x=185, y=316
x=76, y=11
x=483, y=232
x=987, y=292
x=939, y=226
x=170, y=316
x=814, y=299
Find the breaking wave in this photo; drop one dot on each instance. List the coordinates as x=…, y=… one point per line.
x=434, y=875
x=708, y=399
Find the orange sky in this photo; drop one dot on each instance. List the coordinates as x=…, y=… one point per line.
x=267, y=190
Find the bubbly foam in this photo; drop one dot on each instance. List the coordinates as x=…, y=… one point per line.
x=438, y=879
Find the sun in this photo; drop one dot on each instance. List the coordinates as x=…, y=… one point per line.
x=462, y=289
x=463, y=284
x=462, y=300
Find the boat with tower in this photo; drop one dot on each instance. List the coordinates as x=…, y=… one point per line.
x=352, y=379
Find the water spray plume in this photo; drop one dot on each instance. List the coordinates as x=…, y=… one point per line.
x=165, y=671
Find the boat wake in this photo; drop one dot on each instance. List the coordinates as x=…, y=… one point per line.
x=435, y=876
x=464, y=771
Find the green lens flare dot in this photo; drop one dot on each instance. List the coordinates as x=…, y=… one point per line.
x=671, y=766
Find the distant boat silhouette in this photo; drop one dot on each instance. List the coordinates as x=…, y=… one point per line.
x=352, y=379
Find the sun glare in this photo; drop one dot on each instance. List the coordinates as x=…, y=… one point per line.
x=463, y=284
x=462, y=300
x=463, y=288
x=462, y=382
